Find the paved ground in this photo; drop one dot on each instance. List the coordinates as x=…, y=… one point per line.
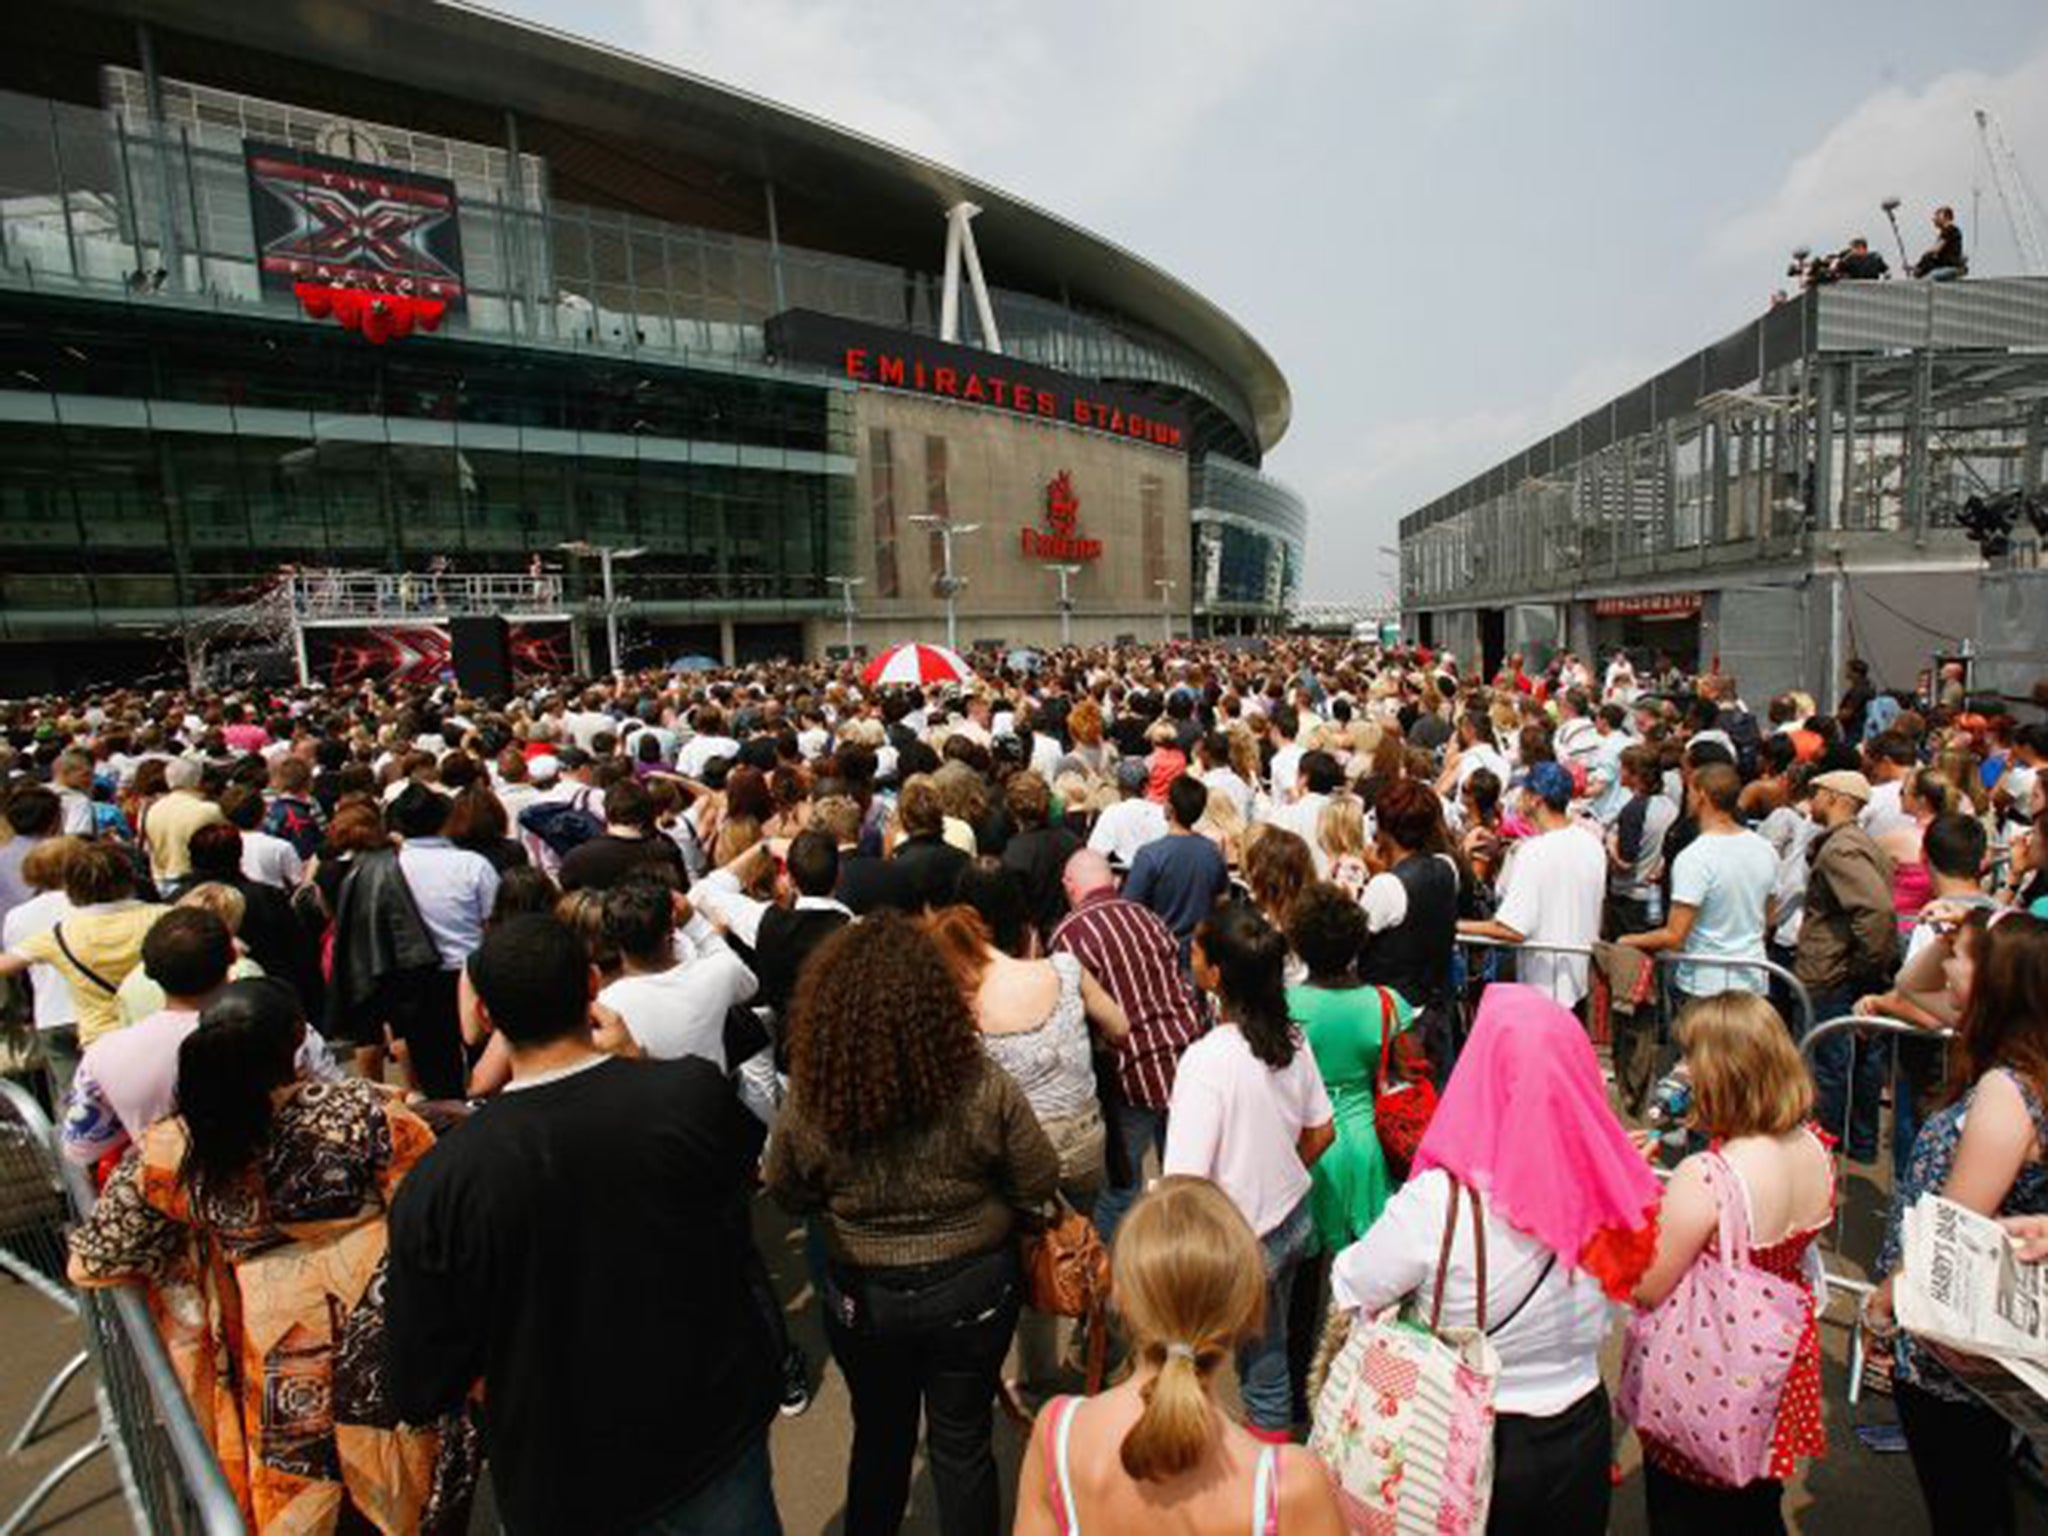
x=1852, y=1491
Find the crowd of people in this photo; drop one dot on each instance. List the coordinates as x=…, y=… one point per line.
x=434, y=1053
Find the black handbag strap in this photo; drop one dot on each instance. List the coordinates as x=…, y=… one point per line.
x=81, y=967
x=1549, y=1264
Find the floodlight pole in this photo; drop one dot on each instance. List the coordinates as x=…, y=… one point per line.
x=846, y=584
x=948, y=531
x=606, y=555
x=1066, y=573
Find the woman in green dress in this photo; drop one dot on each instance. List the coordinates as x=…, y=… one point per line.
x=1342, y=1019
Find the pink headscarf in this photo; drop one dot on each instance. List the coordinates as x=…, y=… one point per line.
x=1525, y=1119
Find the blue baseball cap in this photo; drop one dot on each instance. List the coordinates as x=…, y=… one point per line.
x=1551, y=783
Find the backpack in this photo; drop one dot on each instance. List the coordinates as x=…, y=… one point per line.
x=1747, y=737
x=560, y=825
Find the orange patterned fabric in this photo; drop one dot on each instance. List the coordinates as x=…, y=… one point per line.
x=270, y=1299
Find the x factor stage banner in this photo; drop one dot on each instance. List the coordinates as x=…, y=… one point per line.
x=323, y=220
x=420, y=653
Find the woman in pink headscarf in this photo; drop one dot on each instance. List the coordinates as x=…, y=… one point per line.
x=1569, y=1209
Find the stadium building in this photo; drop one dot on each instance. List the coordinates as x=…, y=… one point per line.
x=721, y=350
x=1797, y=494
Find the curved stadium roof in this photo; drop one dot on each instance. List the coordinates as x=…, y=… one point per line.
x=622, y=131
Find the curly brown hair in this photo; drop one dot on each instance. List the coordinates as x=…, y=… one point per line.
x=879, y=1035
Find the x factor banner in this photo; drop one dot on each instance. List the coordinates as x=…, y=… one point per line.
x=420, y=653
x=323, y=220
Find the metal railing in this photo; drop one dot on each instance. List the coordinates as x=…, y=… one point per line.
x=167, y=1471
x=1666, y=960
x=331, y=596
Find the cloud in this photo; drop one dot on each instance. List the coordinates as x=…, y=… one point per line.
x=1072, y=105
x=1395, y=466
x=1919, y=145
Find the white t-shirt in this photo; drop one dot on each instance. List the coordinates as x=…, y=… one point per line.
x=1122, y=829
x=1882, y=813
x=1285, y=774
x=1551, y=891
x=698, y=752
x=681, y=1011
x=1235, y=1121
x=271, y=860
x=1727, y=878
x=39, y=914
x=1549, y=1349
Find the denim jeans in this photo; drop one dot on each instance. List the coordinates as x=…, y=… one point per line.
x=1263, y=1380
x=1135, y=1128
x=1843, y=1061
x=740, y=1501
x=928, y=1340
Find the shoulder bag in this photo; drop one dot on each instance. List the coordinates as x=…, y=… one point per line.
x=1404, y=1413
x=1066, y=1274
x=1703, y=1372
x=1402, y=1101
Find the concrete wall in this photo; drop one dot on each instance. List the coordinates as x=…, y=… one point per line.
x=996, y=471
x=2012, y=636
x=1760, y=636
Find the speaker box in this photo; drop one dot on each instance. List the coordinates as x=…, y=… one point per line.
x=481, y=649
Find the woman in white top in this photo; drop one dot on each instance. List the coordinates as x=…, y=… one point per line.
x=1249, y=1111
x=1568, y=1207
x=1157, y=1452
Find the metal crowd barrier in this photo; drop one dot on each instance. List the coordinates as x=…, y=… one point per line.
x=167, y=1471
x=1664, y=959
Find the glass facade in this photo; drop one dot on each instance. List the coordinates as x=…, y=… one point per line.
x=92, y=198
x=1251, y=533
x=157, y=462
x=1869, y=411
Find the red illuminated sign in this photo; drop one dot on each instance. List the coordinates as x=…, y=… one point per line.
x=1062, y=507
x=879, y=358
x=1646, y=605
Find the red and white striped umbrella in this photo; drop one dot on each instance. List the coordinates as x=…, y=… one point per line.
x=916, y=663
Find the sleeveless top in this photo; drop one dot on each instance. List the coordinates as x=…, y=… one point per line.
x=1414, y=957
x=1912, y=887
x=1933, y=1159
x=1265, y=1482
x=1052, y=1061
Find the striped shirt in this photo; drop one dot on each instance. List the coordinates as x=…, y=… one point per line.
x=1136, y=958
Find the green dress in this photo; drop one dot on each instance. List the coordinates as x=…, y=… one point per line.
x=1351, y=1181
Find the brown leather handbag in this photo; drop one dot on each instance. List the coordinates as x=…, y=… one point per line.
x=1066, y=1274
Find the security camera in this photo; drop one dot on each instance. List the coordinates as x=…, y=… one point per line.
x=1890, y=204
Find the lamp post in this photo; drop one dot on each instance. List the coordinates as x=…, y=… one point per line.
x=1066, y=573
x=846, y=584
x=949, y=584
x=1165, y=609
x=607, y=555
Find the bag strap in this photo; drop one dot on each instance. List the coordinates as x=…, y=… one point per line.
x=1549, y=1264
x=81, y=967
x=1386, y=1038
x=1733, y=1234
x=1479, y=1252
x=1443, y=1257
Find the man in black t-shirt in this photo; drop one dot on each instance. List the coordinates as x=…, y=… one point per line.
x=1860, y=262
x=1944, y=258
x=630, y=842
x=581, y=1245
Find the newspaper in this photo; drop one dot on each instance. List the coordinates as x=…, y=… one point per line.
x=1964, y=1291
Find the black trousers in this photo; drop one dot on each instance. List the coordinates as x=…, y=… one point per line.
x=1962, y=1459
x=1550, y=1473
x=1680, y=1508
x=933, y=1339
x=423, y=1014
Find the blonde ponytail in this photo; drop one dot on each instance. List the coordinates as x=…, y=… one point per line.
x=1190, y=1284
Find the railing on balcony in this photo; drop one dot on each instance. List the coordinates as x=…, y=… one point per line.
x=337, y=597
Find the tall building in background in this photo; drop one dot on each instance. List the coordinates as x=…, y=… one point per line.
x=742, y=349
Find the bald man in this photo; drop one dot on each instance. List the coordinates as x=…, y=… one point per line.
x=1136, y=958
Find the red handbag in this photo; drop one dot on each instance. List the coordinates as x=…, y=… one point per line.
x=1403, y=1099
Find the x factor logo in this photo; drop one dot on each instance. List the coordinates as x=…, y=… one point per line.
x=334, y=221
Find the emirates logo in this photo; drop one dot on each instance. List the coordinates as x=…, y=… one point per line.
x=1062, y=506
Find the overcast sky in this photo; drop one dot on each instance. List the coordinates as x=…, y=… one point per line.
x=1457, y=224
